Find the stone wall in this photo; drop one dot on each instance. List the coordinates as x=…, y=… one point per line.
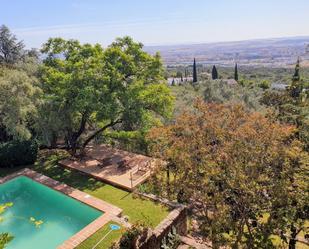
x=176, y=218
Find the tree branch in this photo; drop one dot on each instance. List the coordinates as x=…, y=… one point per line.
x=93, y=135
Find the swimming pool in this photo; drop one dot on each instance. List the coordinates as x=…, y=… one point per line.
x=40, y=217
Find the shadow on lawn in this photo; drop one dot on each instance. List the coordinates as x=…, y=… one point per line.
x=47, y=164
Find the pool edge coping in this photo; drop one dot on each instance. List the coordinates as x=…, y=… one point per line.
x=111, y=212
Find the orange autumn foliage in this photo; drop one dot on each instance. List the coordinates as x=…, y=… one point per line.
x=231, y=163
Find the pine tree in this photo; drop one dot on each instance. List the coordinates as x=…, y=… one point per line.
x=194, y=72
x=11, y=50
x=214, y=73
x=236, y=73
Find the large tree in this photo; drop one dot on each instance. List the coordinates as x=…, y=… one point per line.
x=239, y=170
x=19, y=99
x=93, y=89
x=11, y=50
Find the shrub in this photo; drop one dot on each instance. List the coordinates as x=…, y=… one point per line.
x=16, y=153
x=264, y=84
x=133, y=237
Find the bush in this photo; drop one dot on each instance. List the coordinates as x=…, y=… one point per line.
x=264, y=84
x=132, y=238
x=16, y=153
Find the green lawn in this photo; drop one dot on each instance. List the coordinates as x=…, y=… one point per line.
x=136, y=209
x=106, y=242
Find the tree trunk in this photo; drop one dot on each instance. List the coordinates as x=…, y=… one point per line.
x=93, y=135
x=292, y=241
x=239, y=235
x=168, y=179
x=73, y=138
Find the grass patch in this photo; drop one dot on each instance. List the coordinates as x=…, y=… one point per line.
x=107, y=242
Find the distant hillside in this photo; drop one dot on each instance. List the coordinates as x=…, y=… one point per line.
x=278, y=52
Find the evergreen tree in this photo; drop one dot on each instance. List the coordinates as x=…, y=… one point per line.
x=214, y=73
x=296, y=87
x=296, y=76
x=11, y=50
x=236, y=73
x=194, y=72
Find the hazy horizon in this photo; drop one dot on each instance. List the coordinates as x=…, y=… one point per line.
x=155, y=23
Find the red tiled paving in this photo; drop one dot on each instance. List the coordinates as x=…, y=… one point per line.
x=101, y=163
x=110, y=212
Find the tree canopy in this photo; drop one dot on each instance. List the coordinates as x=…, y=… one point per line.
x=19, y=99
x=11, y=50
x=239, y=169
x=93, y=89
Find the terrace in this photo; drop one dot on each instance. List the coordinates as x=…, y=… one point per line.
x=117, y=167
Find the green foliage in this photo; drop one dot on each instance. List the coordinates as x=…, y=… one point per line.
x=11, y=50
x=297, y=86
x=16, y=153
x=18, y=102
x=296, y=76
x=133, y=236
x=218, y=92
x=172, y=240
x=5, y=238
x=236, y=72
x=194, y=72
x=292, y=105
x=121, y=87
x=264, y=85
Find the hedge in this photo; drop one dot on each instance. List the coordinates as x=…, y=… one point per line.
x=17, y=153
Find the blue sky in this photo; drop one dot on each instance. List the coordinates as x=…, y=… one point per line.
x=154, y=21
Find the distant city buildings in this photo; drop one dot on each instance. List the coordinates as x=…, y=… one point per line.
x=179, y=80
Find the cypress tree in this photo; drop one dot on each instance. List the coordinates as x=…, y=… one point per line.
x=296, y=87
x=214, y=73
x=296, y=76
x=194, y=72
x=236, y=73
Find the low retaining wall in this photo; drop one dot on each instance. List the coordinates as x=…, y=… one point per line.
x=176, y=218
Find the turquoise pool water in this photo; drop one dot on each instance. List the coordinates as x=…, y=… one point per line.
x=40, y=217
